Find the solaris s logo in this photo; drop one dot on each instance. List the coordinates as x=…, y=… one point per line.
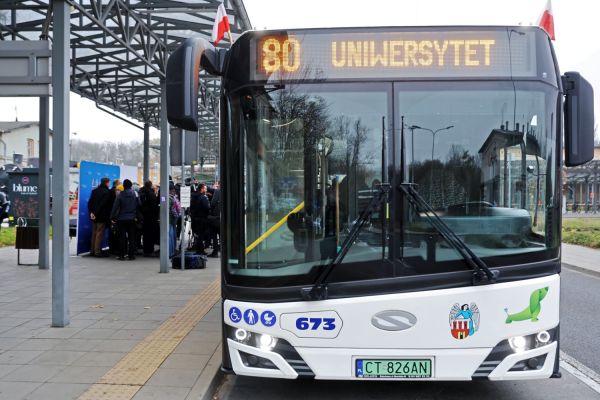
x=393, y=320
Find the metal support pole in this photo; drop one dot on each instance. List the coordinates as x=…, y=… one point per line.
x=44, y=185
x=164, y=180
x=182, y=208
x=60, y=164
x=146, y=162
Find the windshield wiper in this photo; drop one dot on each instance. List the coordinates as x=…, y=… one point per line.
x=318, y=291
x=482, y=274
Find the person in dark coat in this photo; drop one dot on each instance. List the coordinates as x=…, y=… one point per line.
x=99, y=208
x=149, y=211
x=113, y=237
x=174, y=216
x=214, y=220
x=199, y=210
x=124, y=214
x=4, y=204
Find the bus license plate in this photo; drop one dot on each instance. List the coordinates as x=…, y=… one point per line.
x=393, y=368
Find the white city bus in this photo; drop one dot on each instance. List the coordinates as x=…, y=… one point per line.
x=391, y=198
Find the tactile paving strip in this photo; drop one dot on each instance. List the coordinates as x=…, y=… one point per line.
x=124, y=380
x=112, y=392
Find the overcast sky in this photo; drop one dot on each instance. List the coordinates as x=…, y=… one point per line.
x=576, y=44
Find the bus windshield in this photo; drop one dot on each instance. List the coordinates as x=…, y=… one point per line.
x=481, y=154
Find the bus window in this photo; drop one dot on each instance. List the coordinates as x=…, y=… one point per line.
x=312, y=158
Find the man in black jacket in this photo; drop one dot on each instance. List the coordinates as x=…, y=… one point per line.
x=125, y=213
x=149, y=208
x=199, y=210
x=113, y=237
x=99, y=208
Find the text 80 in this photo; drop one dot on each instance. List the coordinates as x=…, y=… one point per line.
x=280, y=55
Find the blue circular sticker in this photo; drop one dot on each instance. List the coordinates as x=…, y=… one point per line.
x=250, y=317
x=235, y=315
x=268, y=318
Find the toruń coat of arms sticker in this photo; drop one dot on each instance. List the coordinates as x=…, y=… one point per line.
x=464, y=320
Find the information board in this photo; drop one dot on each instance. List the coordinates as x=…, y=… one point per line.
x=23, y=196
x=90, y=174
x=393, y=53
x=185, y=194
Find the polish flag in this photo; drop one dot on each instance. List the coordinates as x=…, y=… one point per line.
x=546, y=21
x=221, y=24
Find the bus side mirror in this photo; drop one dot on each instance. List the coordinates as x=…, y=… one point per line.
x=183, y=79
x=579, y=119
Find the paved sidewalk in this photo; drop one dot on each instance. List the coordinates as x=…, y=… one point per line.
x=582, y=257
x=581, y=215
x=114, y=305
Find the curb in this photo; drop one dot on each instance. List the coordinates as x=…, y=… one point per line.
x=582, y=270
x=209, y=379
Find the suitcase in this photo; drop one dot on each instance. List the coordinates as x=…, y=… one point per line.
x=192, y=261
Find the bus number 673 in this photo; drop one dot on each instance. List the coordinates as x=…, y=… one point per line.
x=304, y=323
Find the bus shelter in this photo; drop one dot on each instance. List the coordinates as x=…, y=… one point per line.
x=113, y=52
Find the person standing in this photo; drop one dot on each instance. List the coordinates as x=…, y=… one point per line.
x=214, y=220
x=4, y=205
x=174, y=216
x=149, y=211
x=113, y=237
x=199, y=210
x=124, y=214
x=99, y=208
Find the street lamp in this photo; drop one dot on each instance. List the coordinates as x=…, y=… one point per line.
x=531, y=170
x=412, y=152
x=71, y=145
x=433, y=133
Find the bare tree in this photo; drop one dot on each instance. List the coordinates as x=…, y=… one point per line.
x=107, y=152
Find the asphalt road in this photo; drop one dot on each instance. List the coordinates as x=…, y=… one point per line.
x=242, y=388
x=579, y=317
x=580, y=338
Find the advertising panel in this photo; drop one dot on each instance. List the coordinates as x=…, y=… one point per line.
x=23, y=195
x=90, y=174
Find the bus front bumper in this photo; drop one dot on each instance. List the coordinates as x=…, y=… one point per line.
x=340, y=363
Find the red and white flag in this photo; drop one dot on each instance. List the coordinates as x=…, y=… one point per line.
x=221, y=24
x=546, y=21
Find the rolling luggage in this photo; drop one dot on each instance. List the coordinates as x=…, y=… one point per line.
x=192, y=261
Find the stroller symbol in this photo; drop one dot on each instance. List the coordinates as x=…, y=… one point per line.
x=268, y=318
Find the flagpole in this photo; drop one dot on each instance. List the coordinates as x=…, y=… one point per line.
x=230, y=37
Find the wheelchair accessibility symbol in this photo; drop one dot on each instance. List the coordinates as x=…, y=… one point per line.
x=235, y=315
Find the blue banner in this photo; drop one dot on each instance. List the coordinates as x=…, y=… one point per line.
x=90, y=174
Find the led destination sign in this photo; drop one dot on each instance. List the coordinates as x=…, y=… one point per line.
x=347, y=55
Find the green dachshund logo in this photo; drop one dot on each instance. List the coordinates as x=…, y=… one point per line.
x=532, y=311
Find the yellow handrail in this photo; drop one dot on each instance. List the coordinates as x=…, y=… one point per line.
x=273, y=228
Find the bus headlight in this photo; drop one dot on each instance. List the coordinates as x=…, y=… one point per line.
x=517, y=343
x=543, y=338
x=262, y=341
x=241, y=335
x=267, y=342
